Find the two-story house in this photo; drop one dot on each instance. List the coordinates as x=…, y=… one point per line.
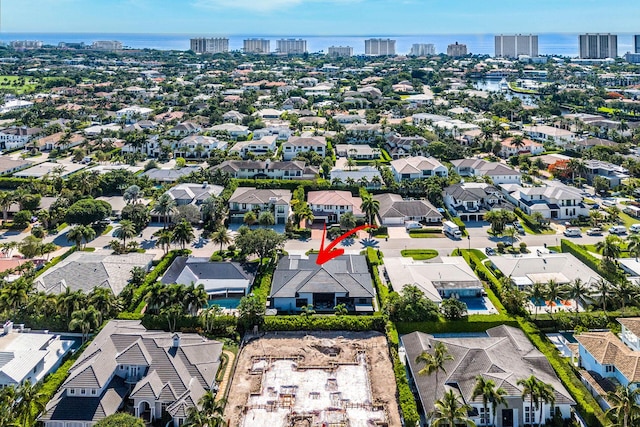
x=544, y=133
x=250, y=199
x=185, y=129
x=471, y=200
x=297, y=145
x=508, y=148
x=614, y=174
x=233, y=130
x=498, y=172
x=400, y=146
x=133, y=114
x=554, y=201
x=17, y=137
x=198, y=146
x=294, y=169
x=359, y=133
x=410, y=168
x=330, y=205
x=161, y=374
x=256, y=147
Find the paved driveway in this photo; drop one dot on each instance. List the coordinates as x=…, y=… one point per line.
x=397, y=232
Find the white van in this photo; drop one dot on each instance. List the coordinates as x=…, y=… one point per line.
x=618, y=229
x=412, y=225
x=635, y=228
x=573, y=232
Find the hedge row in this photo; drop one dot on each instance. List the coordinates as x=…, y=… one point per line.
x=472, y=323
x=586, y=404
x=373, y=261
x=406, y=398
x=284, y=184
x=584, y=256
x=324, y=323
x=528, y=220
x=8, y=183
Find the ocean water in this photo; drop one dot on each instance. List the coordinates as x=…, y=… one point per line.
x=549, y=44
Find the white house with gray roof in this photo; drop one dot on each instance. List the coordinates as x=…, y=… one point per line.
x=394, y=210
x=299, y=281
x=498, y=172
x=410, y=168
x=246, y=199
x=162, y=374
x=554, y=201
x=84, y=271
x=299, y=144
x=505, y=356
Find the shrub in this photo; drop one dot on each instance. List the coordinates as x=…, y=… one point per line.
x=453, y=309
x=324, y=323
x=500, y=247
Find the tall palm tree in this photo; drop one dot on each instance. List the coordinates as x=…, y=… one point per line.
x=625, y=291
x=15, y=295
x=601, y=292
x=164, y=207
x=213, y=409
x=76, y=235
x=183, y=234
x=164, y=240
x=624, y=411
x=450, y=411
x=195, y=298
x=30, y=400
x=221, y=237
x=633, y=245
x=434, y=362
x=490, y=394
x=530, y=387
x=85, y=320
x=537, y=293
x=104, y=301
x=577, y=290
x=609, y=247
x=553, y=291
x=126, y=230
x=546, y=395
x=370, y=207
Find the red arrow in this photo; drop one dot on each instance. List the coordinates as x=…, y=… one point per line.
x=328, y=254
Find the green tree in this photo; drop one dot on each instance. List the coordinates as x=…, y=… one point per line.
x=85, y=320
x=183, y=234
x=164, y=240
x=453, y=309
x=370, y=207
x=138, y=214
x=530, y=388
x=87, y=211
x=633, y=245
x=577, y=290
x=450, y=411
x=262, y=242
x=434, y=362
x=30, y=247
x=537, y=293
x=347, y=221
x=609, y=247
x=490, y=394
x=221, y=237
x=251, y=311
x=410, y=306
x=624, y=411
x=126, y=230
x=340, y=310
x=30, y=400
x=266, y=218
x=250, y=218
x=165, y=206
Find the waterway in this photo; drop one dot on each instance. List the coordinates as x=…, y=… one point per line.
x=494, y=86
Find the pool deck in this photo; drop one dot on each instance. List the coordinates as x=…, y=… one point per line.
x=489, y=307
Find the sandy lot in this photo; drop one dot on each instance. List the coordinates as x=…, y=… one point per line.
x=294, y=379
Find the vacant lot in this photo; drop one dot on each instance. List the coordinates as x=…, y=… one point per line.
x=295, y=379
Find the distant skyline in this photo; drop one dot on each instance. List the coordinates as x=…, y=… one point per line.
x=320, y=17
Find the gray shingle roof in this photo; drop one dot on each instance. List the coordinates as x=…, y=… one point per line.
x=505, y=356
x=346, y=273
x=394, y=206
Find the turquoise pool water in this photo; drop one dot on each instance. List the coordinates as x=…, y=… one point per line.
x=543, y=303
x=231, y=302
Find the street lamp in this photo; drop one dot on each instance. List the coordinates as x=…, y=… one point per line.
x=469, y=240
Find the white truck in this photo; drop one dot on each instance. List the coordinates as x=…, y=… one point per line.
x=451, y=229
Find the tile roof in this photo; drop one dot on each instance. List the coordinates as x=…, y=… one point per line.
x=214, y=276
x=607, y=349
x=251, y=195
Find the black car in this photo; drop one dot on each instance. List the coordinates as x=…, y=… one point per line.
x=489, y=251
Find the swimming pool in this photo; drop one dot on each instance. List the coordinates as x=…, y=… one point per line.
x=542, y=303
x=475, y=304
x=231, y=302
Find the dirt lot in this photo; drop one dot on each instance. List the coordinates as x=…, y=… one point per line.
x=311, y=354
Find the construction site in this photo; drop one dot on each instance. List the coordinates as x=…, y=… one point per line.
x=320, y=379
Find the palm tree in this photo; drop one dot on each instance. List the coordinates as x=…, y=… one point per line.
x=104, y=301
x=546, y=395
x=30, y=400
x=538, y=294
x=625, y=291
x=553, y=291
x=577, y=290
x=633, y=245
x=250, y=218
x=601, y=292
x=213, y=409
x=370, y=207
x=164, y=207
x=76, y=235
x=221, y=237
x=195, y=298
x=15, y=295
x=450, y=411
x=85, y=320
x=609, y=247
x=624, y=411
x=490, y=394
x=183, y=234
x=307, y=310
x=530, y=388
x=434, y=362
x=164, y=240
x=518, y=142
x=126, y=230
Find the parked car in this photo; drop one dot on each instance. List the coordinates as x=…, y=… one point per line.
x=618, y=229
x=573, y=232
x=595, y=231
x=519, y=228
x=412, y=225
x=609, y=202
x=596, y=206
x=635, y=228
x=489, y=251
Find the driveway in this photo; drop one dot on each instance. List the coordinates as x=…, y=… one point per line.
x=397, y=232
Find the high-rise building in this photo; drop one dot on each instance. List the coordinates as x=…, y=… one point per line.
x=636, y=43
x=291, y=46
x=379, y=47
x=211, y=45
x=512, y=46
x=422, y=49
x=26, y=44
x=598, y=46
x=106, y=45
x=457, y=50
x=337, y=51
x=257, y=46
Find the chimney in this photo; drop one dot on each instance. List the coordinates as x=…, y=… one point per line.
x=176, y=341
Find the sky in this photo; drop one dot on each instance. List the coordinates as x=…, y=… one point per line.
x=320, y=17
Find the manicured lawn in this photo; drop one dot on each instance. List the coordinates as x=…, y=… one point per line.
x=416, y=234
x=628, y=219
x=420, y=254
x=19, y=84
